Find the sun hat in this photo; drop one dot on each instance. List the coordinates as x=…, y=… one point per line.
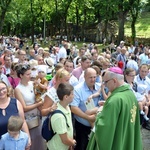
x=49, y=61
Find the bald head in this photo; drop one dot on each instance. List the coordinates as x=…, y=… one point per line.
x=90, y=77
x=89, y=70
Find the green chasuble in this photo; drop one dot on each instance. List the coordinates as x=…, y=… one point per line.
x=117, y=127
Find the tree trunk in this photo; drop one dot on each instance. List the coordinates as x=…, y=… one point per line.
x=8, y=28
x=32, y=31
x=133, y=29
x=65, y=24
x=105, y=28
x=77, y=19
x=84, y=23
x=121, y=22
x=2, y=20
x=4, y=4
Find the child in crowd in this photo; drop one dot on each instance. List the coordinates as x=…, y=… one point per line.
x=33, y=64
x=14, y=139
x=63, y=139
x=40, y=84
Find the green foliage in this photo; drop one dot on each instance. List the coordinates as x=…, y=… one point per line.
x=142, y=26
x=28, y=16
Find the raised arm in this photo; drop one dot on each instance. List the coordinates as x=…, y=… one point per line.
x=48, y=106
x=77, y=111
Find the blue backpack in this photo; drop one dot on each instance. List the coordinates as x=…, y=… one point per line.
x=47, y=131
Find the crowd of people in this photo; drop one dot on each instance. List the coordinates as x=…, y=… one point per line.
x=105, y=96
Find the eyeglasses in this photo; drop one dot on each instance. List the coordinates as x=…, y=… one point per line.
x=2, y=89
x=105, y=82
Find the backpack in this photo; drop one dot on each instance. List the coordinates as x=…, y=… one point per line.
x=47, y=131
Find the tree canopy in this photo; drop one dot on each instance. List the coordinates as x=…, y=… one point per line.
x=67, y=17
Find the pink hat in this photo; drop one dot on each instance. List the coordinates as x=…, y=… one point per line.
x=116, y=70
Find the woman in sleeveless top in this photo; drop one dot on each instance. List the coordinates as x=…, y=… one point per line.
x=51, y=98
x=25, y=94
x=8, y=107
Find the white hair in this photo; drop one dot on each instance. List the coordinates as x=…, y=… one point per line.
x=119, y=77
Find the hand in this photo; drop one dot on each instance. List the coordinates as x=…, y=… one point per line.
x=74, y=143
x=102, y=86
x=40, y=103
x=29, y=145
x=91, y=111
x=91, y=118
x=36, y=82
x=89, y=98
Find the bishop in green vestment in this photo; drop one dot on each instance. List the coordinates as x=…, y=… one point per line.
x=117, y=127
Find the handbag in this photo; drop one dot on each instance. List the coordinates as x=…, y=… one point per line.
x=33, y=122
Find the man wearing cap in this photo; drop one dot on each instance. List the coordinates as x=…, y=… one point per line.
x=117, y=127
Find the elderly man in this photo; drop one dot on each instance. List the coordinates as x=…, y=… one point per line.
x=78, y=107
x=117, y=127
